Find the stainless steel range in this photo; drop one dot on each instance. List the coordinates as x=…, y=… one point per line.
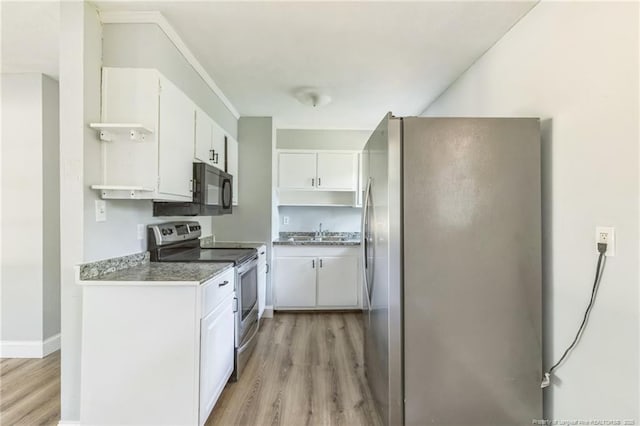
x=179, y=242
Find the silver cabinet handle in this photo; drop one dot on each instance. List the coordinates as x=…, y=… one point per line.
x=321, y=263
x=223, y=283
x=313, y=181
x=261, y=253
x=235, y=305
x=191, y=185
x=313, y=263
x=319, y=182
x=211, y=152
x=268, y=268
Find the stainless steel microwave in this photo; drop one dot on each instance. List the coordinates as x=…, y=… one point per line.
x=212, y=195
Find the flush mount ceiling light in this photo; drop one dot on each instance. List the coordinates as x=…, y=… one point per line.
x=312, y=97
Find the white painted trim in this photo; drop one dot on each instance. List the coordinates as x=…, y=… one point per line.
x=268, y=312
x=68, y=422
x=29, y=348
x=155, y=17
x=51, y=345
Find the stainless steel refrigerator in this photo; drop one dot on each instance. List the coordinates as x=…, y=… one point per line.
x=452, y=270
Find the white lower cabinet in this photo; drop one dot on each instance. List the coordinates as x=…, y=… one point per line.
x=314, y=277
x=336, y=281
x=296, y=282
x=216, y=355
x=155, y=353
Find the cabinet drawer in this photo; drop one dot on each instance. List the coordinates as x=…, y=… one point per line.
x=216, y=289
x=262, y=256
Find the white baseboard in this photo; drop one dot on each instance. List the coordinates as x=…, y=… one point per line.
x=268, y=312
x=29, y=348
x=68, y=422
x=51, y=345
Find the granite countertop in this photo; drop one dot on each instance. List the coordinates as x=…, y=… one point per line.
x=308, y=239
x=169, y=272
x=137, y=269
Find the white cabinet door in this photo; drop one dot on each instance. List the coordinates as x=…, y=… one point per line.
x=176, y=132
x=296, y=281
x=232, y=166
x=337, y=171
x=216, y=355
x=296, y=170
x=338, y=281
x=218, y=146
x=203, y=137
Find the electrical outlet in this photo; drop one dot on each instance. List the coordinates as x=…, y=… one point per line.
x=285, y=220
x=140, y=231
x=101, y=210
x=607, y=235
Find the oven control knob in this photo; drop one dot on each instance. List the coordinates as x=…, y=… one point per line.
x=164, y=231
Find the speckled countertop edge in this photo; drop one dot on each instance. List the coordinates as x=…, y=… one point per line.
x=352, y=239
x=93, y=270
x=162, y=273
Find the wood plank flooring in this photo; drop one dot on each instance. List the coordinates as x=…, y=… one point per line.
x=307, y=369
x=30, y=391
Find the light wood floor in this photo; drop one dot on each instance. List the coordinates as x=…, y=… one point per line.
x=30, y=391
x=306, y=370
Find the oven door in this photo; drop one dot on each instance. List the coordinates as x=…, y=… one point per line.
x=247, y=295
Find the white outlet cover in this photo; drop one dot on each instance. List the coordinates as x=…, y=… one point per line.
x=140, y=231
x=101, y=210
x=285, y=220
x=611, y=245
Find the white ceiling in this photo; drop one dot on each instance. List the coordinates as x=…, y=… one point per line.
x=30, y=37
x=370, y=57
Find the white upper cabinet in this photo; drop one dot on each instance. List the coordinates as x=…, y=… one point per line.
x=209, y=144
x=203, y=146
x=232, y=166
x=318, y=170
x=154, y=164
x=296, y=170
x=176, y=131
x=337, y=171
x=218, y=146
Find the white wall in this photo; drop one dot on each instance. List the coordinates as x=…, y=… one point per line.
x=575, y=65
x=307, y=219
x=22, y=207
x=30, y=280
x=51, y=204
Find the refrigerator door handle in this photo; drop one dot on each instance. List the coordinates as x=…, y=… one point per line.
x=364, y=245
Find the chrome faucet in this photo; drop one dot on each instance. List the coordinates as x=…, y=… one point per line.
x=320, y=232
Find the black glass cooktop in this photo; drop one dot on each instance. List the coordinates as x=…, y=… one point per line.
x=237, y=256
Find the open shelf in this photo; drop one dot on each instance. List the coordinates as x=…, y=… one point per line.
x=123, y=191
x=110, y=131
